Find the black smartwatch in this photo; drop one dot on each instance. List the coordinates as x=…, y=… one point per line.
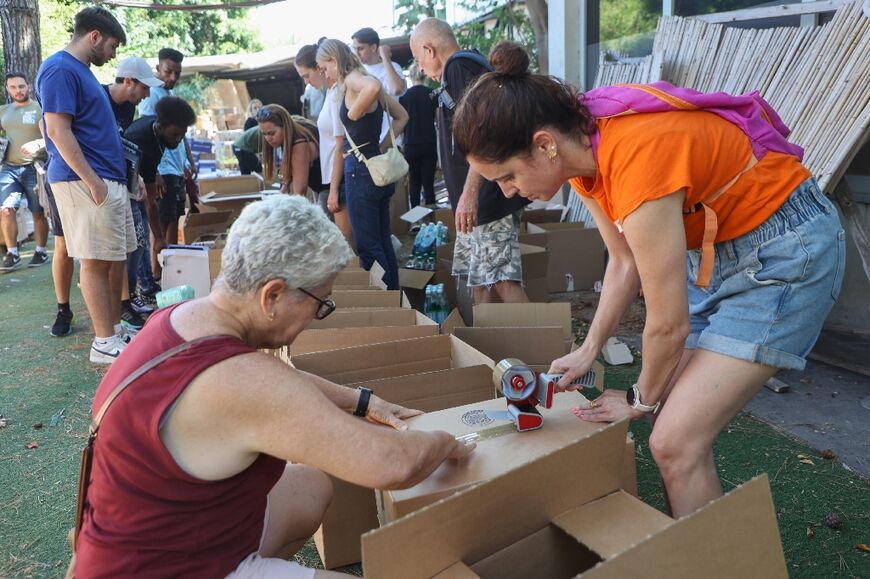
x=362, y=407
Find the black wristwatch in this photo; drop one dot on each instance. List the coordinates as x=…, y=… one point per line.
x=362, y=407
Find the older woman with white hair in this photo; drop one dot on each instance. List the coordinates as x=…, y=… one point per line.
x=192, y=472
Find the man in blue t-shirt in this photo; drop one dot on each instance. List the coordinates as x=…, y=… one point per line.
x=172, y=193
x=87, y=171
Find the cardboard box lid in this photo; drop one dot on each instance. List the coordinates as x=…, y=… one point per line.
x=416, y=279
x=480, y=520
x=536, y=346
x=391, y=359
x=374, y=298
x=525, y=316
x=568, y=236
x=337, y=338
x=230, y=185
x=493, y=456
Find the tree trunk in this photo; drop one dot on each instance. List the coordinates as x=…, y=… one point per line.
x=538, y=15
x=22, y=49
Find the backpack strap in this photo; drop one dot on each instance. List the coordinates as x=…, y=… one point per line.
x=443, y=96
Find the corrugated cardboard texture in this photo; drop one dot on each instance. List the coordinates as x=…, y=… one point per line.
x=480, y=521
x=536, y=346
x=222, y=186
x=197, y=225
x=526, y=316
x=493, y=456
x=572, y=249
x=609, y=524
x=367, y=298
x=464, y=375
x=337, y=338
x=360, y=318
x=391, y=359
x=734, y=536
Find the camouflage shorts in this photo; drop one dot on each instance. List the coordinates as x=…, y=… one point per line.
x=490, y=253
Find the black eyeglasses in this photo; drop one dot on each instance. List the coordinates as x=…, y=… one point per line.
x=326, y=306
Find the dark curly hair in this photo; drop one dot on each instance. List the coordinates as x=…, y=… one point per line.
x=499, y=114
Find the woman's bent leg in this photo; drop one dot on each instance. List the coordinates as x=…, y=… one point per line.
x=705, y=397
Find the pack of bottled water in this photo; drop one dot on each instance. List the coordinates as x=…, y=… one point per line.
x=436, y=305
x=430, y=236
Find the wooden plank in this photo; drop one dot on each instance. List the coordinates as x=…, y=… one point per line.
x=773, y=11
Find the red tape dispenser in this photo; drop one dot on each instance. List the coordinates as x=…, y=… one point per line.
x=525, y=390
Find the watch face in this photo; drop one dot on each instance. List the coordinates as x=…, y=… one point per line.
x=629, y=396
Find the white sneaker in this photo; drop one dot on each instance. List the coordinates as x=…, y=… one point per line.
x=126, y=334
x=107, y=352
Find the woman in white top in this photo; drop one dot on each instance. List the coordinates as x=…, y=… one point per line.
x=331, y=139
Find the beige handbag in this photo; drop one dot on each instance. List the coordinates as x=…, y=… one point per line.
x=385, y=168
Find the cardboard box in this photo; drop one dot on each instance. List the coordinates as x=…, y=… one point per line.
x=563, y=514
x=195, y=227
x=232, y=203
x=214, y=262
x=382, y=326
x=505, y=450
x=426, y=373
x=398, y=207
x=227, y=186
x=572, y=249
x=413, y=282
x=521, y=316
x=354, y=277
x=372, y=298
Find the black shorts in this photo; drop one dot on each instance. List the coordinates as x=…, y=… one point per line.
x=53, y=215
x=172, y=203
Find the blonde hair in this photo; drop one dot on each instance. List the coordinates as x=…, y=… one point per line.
x=295, y=129
x=345, y=60
x=254, y=103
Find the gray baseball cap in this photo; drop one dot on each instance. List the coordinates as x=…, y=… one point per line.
x=137, y=68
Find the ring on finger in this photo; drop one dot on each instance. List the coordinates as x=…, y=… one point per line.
x=593, y=404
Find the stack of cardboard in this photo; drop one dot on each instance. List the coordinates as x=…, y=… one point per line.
x=229, y=193
x=571, y=249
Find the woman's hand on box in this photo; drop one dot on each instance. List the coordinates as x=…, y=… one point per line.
x=382, y=412
x=610, y=406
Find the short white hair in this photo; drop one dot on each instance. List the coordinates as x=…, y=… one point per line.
x=282, y=237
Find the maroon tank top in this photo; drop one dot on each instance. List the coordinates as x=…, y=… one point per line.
x=144, y=515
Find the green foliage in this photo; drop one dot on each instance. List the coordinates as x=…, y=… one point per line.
x=193, y=90
x=413, y=11
x=193, y=33
x=627, y=25
x=506, y=21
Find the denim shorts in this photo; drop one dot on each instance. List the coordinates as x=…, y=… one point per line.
x=18, y=182
x=773, y=287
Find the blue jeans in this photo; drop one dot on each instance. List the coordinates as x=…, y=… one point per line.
x=773, y=287
x=369, y=209
x=18, y=182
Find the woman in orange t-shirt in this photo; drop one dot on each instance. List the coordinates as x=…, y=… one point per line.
x=740, y=258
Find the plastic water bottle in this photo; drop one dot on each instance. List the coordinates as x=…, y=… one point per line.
x=174, y=295
x=427, y=303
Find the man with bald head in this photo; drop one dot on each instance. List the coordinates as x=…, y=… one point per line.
x=487, y=248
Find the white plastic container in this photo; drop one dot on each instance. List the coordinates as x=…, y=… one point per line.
x=186, y=265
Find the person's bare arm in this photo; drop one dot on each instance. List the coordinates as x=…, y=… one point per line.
x=332, y=202
x=466, y=206
x=300, y=163
x=152, y=213
x=58, y=128
x=621, y=286
x=656, y=234
x=396, y=82
x=220, y=425
x=398, y=118
x=193, y=171
x=367, y=89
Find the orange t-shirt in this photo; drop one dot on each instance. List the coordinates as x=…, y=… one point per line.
x=642, y=157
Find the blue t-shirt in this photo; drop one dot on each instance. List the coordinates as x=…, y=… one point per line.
x=174, y=160
x=66, y=85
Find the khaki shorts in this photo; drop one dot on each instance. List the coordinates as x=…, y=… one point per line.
x=490, y=253
x=104, y=232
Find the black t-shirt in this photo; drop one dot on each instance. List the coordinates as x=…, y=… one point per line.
x=420, y=129
x=250, y=123
x=123, y=112
x=458, y=75
x=142, y=133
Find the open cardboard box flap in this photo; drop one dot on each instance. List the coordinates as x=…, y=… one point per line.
x=210, y=223
x=393, y=359
x=564, y=515
x=354, y=277
x=532, y=315
x=224, y=186
x=371, y=298
x=337, y=338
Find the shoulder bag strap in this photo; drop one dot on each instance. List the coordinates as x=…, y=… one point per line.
x=382, y=97
x=354, y=148
x=88, y=451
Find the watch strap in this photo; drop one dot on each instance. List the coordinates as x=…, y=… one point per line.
x=362, y=406
x=640, y=406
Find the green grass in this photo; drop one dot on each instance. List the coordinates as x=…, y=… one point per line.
x=41, y=375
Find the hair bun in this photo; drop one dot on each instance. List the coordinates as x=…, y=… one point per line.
x=509, y=58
